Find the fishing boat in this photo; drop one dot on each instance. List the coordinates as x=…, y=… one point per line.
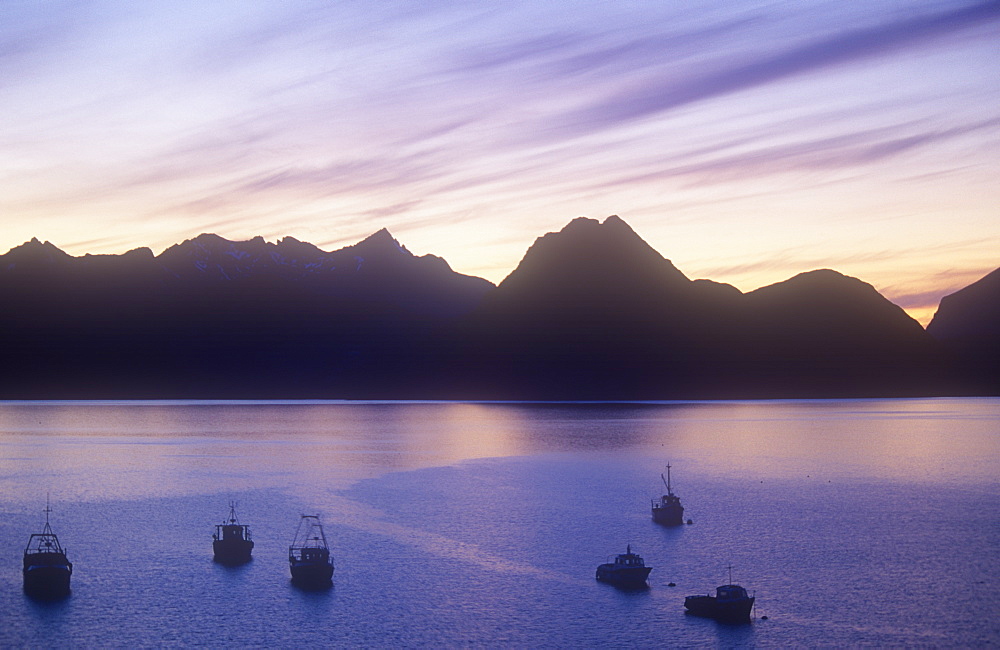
x=628, y=570
x=730, y=604
x=668, y=510
x=46, y=568
x=309, y=555
x=231, y=541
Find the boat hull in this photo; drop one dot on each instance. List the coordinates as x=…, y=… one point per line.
x=670, y=514
x=47, y=575
x=312, y=574
x=232, y=552
x=732, y=611
x=623, y=576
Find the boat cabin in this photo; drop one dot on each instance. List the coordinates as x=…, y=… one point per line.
x=231, y=532
x=730, y=592
x=310, y=554
x=629, y=559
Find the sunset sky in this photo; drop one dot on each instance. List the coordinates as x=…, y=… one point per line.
x=745, y=141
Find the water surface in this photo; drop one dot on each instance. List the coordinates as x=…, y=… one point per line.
x=870, y=522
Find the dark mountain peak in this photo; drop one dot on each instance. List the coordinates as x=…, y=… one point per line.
x=593, y=286
x=212, y=244
x=587, y=255
x=970, y=313
x=136, y=269
x=34, y=247
x=378, y=264
x=613, y=226
x=616, y=223
x=255, y=247
x=821, y=284
x=580, y=224
x=211, y=256
x=143, y=253
x=826, y=277
x=827, y=306
x=199, y=247
x=433, y=261
x=35, y=254
x=207, y=240
x=380, y=243
x=188, y=247
x=823, y=274
x=967, y=322
x=292, y=248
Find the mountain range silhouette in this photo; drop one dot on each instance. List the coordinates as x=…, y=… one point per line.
x=591, y=312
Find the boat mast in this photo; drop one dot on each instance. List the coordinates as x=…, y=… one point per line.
x=309, y=533
x=667, y=480
x=48, y=529
x=322, y=535
x=730, y=567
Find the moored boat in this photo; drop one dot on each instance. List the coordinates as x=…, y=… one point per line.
x=668, y=509
x=231, y=542
x=628, y=570
x=46, y=568
x=731, y=603
x=309, y=555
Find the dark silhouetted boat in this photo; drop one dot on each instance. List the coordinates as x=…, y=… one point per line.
x=232, y=543
x=309, y=555
x=628, y=570
x=668, y=510
x=730, y=604
x=46, y=568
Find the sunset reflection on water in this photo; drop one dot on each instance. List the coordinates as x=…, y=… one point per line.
x=173, y=448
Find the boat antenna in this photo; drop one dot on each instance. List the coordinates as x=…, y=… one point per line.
x=730, y=567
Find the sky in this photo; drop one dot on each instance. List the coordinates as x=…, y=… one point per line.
x=745, y=141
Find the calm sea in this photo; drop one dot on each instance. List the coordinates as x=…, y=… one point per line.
x=855, y=523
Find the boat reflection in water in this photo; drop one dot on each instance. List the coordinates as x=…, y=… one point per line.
x=232, y=544
x=309, y=555
x=46, y=568
x=730, y=604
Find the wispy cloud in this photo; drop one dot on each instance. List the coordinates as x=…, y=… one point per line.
x=846, y=151
x=657, y=95
x=801, y=258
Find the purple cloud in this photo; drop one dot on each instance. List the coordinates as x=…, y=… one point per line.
x=842, y=151
x=657, y=96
